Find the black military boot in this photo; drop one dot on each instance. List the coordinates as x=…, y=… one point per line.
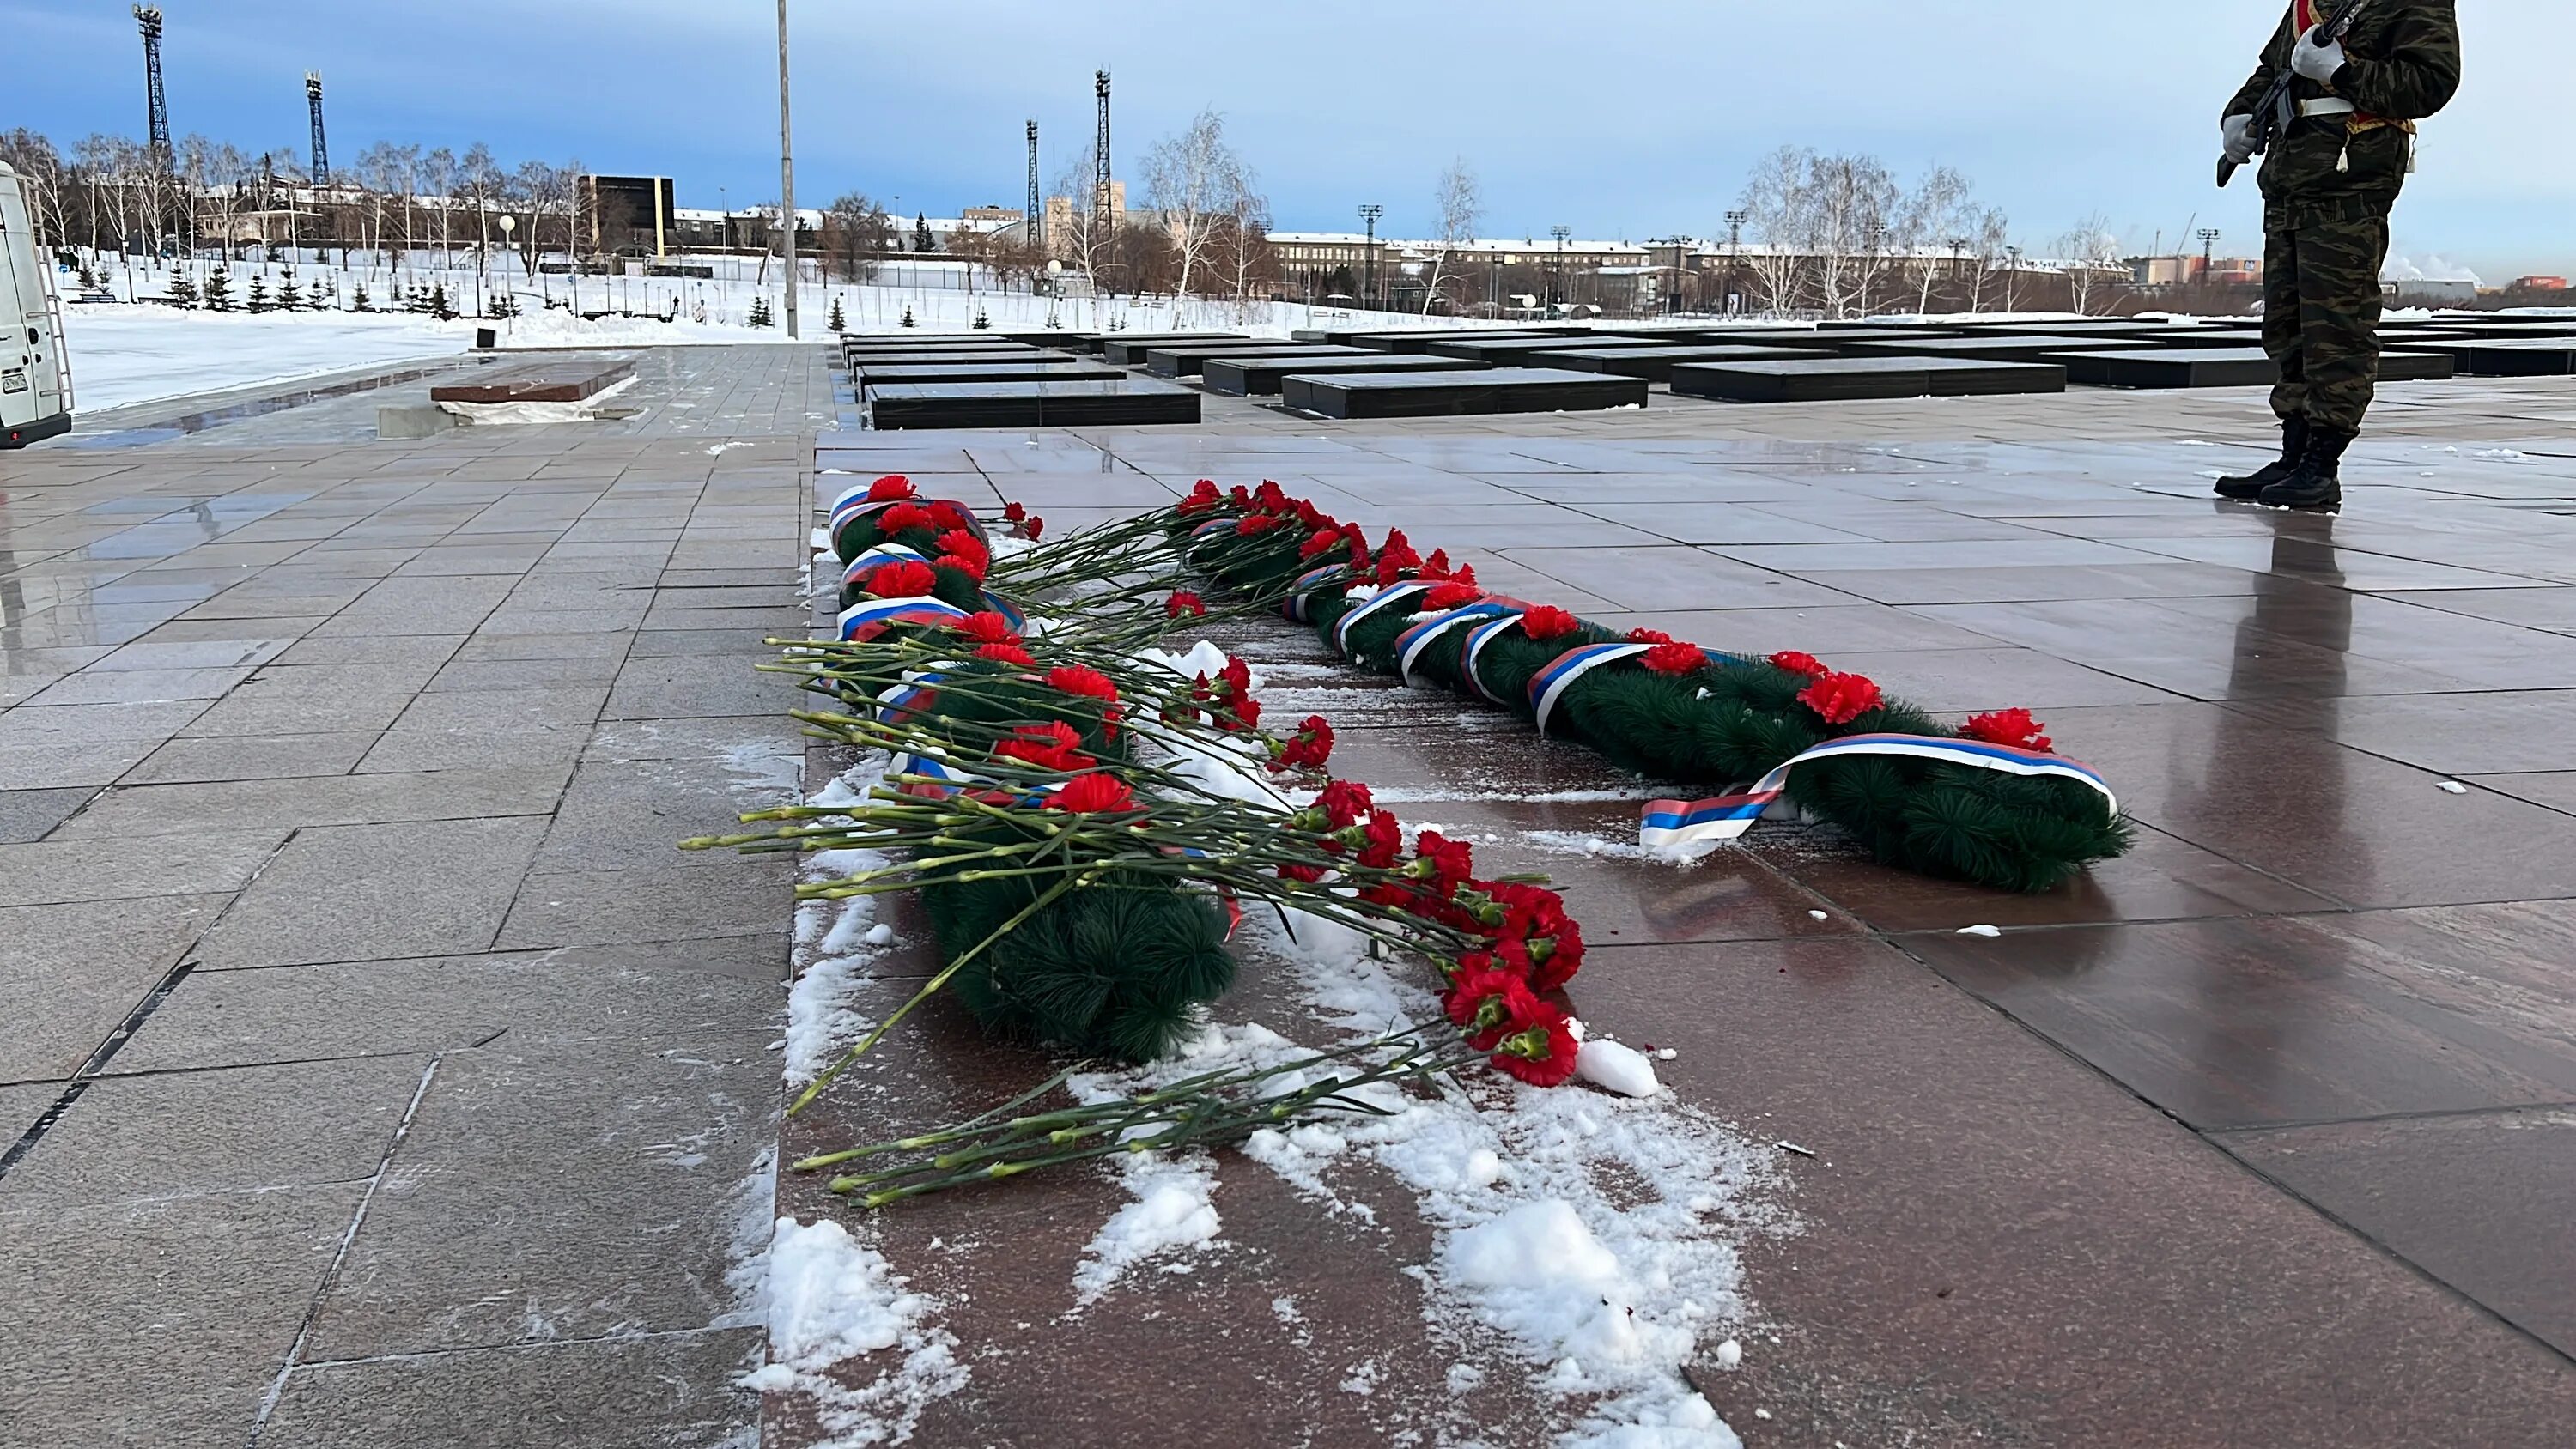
x=2318, y=483
x=2294, y=444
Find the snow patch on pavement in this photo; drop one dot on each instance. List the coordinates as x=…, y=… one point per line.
x=830, y=1299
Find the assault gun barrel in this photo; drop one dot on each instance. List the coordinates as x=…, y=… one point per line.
x=2273, y=116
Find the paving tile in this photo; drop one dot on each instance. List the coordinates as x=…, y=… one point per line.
x=84, y=744
x=579, y=1191
x=71, y=973
x=634, y=813
x=2254, y=1021
x=2041, y=1207
x=139, y=686
x=673, y=1391
x=743, y=739
x=686, y=685
x=528, y=1000
x=55, y=872
x=306, y=699
x=2478, y=1201
x=156, y=1138
x=188, y=761
x=475, y=729
x=1671, y=578
x=719, y=897
x=28, y=814
x=199, y=1298
x=377, y=892
x=147, y=810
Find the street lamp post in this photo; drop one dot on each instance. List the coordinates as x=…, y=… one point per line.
x=2012, y=279
x=1735, y=221
x=1556, y=282
x=786, y=172
x=1369, y=213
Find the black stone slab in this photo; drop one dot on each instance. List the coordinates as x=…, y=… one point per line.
x=1450, y=393
x=1128, y=349
x=1240, y=374
x=1655, y=364
x=1417, y=339
x=1506, y=351
x=1117, y=402
x=1059, y=369
x=1836, y=379
x=1185, y=361
x=945, y=340
x=2000, y=348
x=2504, y=356
x=1844, y=341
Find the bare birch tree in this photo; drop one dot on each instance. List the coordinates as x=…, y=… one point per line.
x=1778, y=206
x=1459, y=203
x=1191, y=179
x=2085, y=249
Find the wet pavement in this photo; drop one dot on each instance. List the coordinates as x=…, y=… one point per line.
x=377, y=1074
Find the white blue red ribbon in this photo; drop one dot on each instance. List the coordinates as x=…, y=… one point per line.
x=1549, y=685
x=1295, y=606
x=1019, y=622
x=878, y=556
x=1384, y=599
x=1688, y=829
x=1477, y=639
x=855, y=504
x=868, y=618
x=1410, y=644
x=901, y=702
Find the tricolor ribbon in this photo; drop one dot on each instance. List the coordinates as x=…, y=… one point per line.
x=939, y=782
x=1010, y=615
x=1295, y=607
x=877, y=557
x=1689, y=829
x=1384, y=599
x=1410, y=644
x=854, y=505
x=1477, y=639
x=1549, y=685
x=904, y=700
x=868, y=618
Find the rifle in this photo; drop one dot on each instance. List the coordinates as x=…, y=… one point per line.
x=2272, y=117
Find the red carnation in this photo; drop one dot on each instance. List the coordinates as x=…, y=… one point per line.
x=889, y=487
x=1465, y=576
x=904, y=517
x=987, y=627
x=1840, y=698
x=1649, y=636
x=1240, y=494
x=1203, y=496
x=1013, y=512
x=2008, y=727
x=1093, y=794
x=972, y=568
x=1183, y=602
x=1031, y=529
x=1382, y=840
x=1050, y=746
x=1344, y=802
x=1483, y=1002
x=904, y=579
x=1270, y=498
x=1537, y=1044
x=1797, y=663
x=1548, y=622
x=1436, y=566
x=1449, y=863
x=1309, y=748
x=1007, y=654
x=1089, y=683
x=1252, y=523
x=1307, y=873
x=1321, y=541
x=947, y=515
x=1675, y=659
x=1451, y=596
x=964, y=543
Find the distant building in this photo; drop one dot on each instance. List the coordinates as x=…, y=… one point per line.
x=2442, y=291
x=629, y=216
x=1060, y=230
x=2187, y=269
x=2540, y=284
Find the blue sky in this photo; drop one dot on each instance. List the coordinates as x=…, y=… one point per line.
x=1630, y=121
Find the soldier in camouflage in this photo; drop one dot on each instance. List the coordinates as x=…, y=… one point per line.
x=2328, y=185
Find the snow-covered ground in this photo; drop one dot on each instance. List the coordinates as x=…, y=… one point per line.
x=124, y=355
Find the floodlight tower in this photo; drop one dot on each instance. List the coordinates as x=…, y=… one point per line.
x=1369, y=213
x=1100, y=149
x=157, y=118
x=321, y=152
x=2208, y=246
x=1037, y=217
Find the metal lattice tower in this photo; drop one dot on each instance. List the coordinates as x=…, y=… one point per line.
x=321, y=153
x=1037, y=216
x=1100, y=150
x=157, y=120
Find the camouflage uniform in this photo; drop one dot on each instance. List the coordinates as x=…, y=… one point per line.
x=2328, y=185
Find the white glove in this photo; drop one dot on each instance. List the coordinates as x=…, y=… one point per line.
x=2317, y=62
x=2236, y=135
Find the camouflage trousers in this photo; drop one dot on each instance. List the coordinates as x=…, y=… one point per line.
x=2321, y=313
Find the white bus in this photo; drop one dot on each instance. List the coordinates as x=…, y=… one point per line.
x=35, y=378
